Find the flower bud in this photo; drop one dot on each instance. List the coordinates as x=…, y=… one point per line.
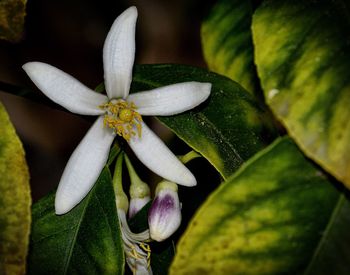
x=139, y=191
x=164, y=216
x=121, y=199
x=140, y=195
x=136, y=204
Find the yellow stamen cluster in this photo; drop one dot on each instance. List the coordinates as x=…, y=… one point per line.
x=137, y=256
x=122, y=118
x=147, y=249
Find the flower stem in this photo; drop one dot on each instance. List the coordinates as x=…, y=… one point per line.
x=132, y=173
x=189, y=156
x=121, y=198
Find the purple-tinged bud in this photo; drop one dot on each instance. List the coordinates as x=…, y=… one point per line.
x=140, y=195
x=164, y=216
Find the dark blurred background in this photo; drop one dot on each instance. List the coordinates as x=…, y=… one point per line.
x=70, y=36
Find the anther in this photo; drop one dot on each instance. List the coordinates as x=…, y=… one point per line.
x=122, y=117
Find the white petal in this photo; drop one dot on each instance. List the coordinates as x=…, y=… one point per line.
x=64, y=89
x=119, y=54
x=83, y=167
x=172, y=99
x=142, y=268
x=154, y=154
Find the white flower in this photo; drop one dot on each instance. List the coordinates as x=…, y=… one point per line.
x=164, y=216
x=117, y=114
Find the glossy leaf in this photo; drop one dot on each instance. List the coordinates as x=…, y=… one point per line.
x=227, y=129
x=227, y=42
x=86, y=240
x=12, y=13
x=332, y=255
x=302, y=52
x=273, y=216
x=139, y=222
x=15, y=200
x=162, y=256
x=115, y=150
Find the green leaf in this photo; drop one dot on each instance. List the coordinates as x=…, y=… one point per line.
x=115, y=150
x=276, y=214
x=12, y=13
x=139, y=222
x=162, y=256
x=302, y=53
x=87, y=240
x=227, y=129
x=332, y=255
x=15, y=200
x=227, y=42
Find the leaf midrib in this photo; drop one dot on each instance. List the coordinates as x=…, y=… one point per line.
x=324, y=236
x=72, y=244
x=223, y=138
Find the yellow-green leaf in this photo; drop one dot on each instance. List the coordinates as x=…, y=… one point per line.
x=227, y=42
x=279, y=214
x=15, y=200
x=302, y=52
x=12, y=13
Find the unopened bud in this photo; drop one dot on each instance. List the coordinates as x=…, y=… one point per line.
x=121, y=199
x=136, y=204
x=164, y=216
x=139, y=191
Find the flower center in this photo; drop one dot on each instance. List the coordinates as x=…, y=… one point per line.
x=122, y=118
x=126, y=115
